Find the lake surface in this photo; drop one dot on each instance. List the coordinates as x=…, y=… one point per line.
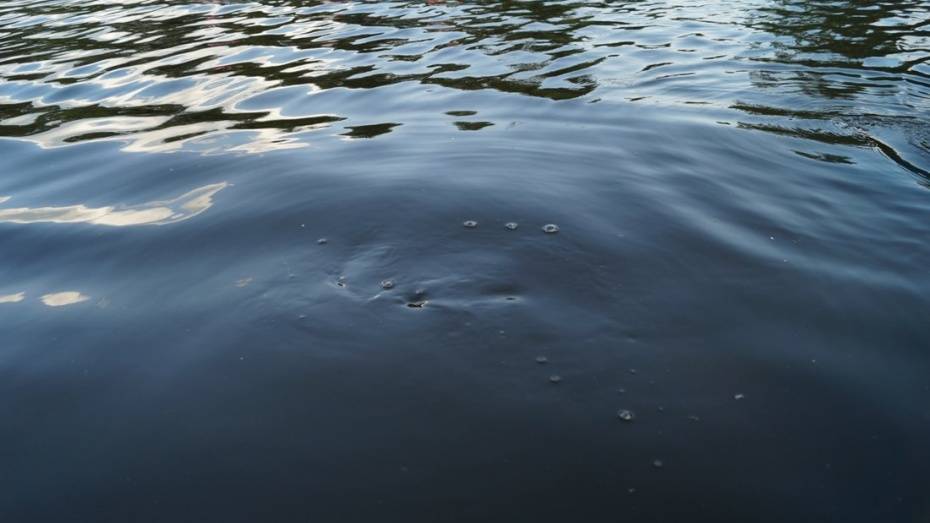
x=236, y=283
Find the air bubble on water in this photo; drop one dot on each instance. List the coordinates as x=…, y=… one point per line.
x=387, y=284
x=658, y=463
x=511, y=226
x=550, y=228
x=625, y=415
x=470, y=224
x=555, y=378
x=542, y=360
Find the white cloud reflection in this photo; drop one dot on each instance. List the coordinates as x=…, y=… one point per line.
x=13, y=298
x=179, y=209
x=60, y=299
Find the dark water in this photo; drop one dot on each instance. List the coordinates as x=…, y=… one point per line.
x=742, y=195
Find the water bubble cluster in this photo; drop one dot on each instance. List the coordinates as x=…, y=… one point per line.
x=549, y=228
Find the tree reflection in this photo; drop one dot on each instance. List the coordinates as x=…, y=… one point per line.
x=119, y=58
x=172, y=73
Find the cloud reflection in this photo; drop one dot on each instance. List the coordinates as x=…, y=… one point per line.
x=179, y=209
x=60, y=299
x=13, y=298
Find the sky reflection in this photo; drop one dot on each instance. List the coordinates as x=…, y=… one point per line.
x=179, y=209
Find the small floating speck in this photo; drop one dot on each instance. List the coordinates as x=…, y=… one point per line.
x=341, y=281
x=625, y=415
x=632, y=371
x=542, y=360
x=322, y=241
x=694, y=418
x=631, y=490
x=550, y=228
x=387, y=284
x=511, y=226
x=555, y=378
x=658, y=463
x=739, y=396
x=417, y=304
x=243, y=282
x=470, y=224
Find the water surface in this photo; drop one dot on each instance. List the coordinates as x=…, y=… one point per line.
x=199, y=203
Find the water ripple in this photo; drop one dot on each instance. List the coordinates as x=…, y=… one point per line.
x=216, y=76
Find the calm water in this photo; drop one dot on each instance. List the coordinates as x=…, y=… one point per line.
x=743, y=196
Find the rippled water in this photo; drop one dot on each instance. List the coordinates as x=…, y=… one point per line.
x=236, y=284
